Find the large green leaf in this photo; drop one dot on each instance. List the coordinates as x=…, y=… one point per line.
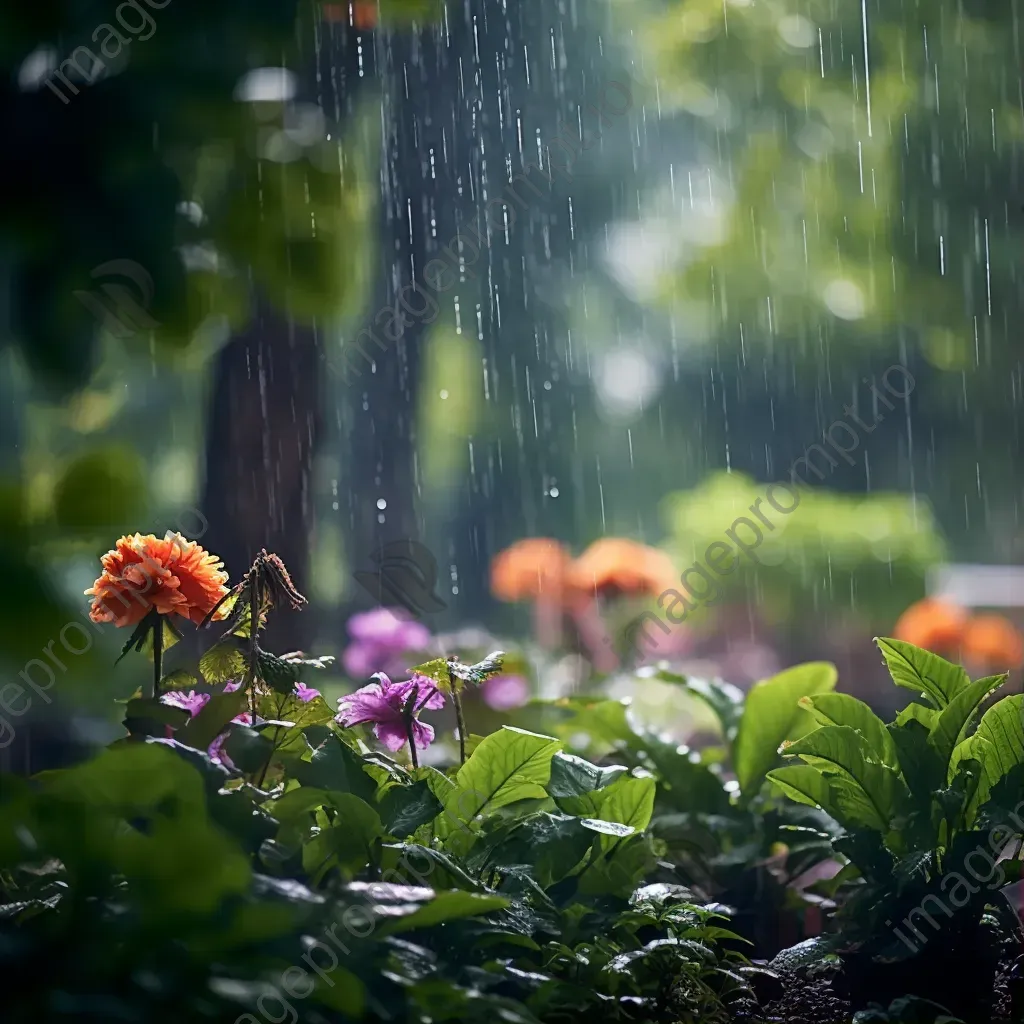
x=724, y=699
x=347, y=845
x=1001, y=731
x=773, y=715
x=335, y=766
x=921, y=671
x=842, y=709
x=806, y=785
x=872, y=789
x=552, y=845
x=573, y=776
x=628, y=801
x=404, y=808
x=956, y=718
x=510, y=764
x=445, y=906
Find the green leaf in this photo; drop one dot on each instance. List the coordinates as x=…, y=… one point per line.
x=998, y=742
x=862, y=787
x=509, y=765
x=437, y=669
x=337, y=767
x=404, y=808
x=842, y=709
x=772, y=715
x=956, y=718
x=248, y=749
x=445, y=906
x=223, y=662
x=348, y=845
x=806, y=785
x=607, y=828
x=573, y=776
x=410, y=862
x=921, y=671
x=553, y=845
x=282, y=673
x=299, y=802
x=724, y=699
x=478, y=673
x=148, y=709
x=298, y=713
x=920, y=764
x=628, y=801
x=914, y=712
x=202, y=730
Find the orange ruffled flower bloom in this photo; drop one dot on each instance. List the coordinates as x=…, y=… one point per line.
x=172, y=575
x=530, y=569
x=993, y=641
x=624, y=566
x=935, y=625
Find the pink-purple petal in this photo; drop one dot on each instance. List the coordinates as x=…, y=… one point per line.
x=392, y=734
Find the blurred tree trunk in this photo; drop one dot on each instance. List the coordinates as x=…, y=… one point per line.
x=262, y=433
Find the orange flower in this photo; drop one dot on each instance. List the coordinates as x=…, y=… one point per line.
x=935, y=625
x=993, y=641
x=614, y=563
x=529, y=569
x=364, y=14
x=171, y=575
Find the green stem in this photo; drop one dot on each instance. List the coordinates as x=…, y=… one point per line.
x=461, y=720
x=158, y=654
x=254, y=630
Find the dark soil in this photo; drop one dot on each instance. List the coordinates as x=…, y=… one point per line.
x=821, y=995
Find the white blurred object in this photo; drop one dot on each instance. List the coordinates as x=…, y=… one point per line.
x=626, y=380
x=267, y=85
x=978, y=586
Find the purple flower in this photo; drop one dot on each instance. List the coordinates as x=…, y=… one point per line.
x=380, y=639
x=505, y=692
x=216, y=752
x=216, y=749
x=384, y=704
x=191, y=702
x=232, y=685
x=306, y=693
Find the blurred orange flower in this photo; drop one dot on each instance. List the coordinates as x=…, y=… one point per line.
x=172, y=575
x=994, y=642
x=935, y=625
x=529, y=569
x=623, y=566
x=364, y=13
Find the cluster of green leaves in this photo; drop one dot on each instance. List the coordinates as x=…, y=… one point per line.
x=727, y=835
x=928, y=803
x=509, y=887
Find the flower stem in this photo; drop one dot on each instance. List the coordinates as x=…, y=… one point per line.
x=461, y=720
x=158, y=654
x=409, y=716
x=254, y=630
